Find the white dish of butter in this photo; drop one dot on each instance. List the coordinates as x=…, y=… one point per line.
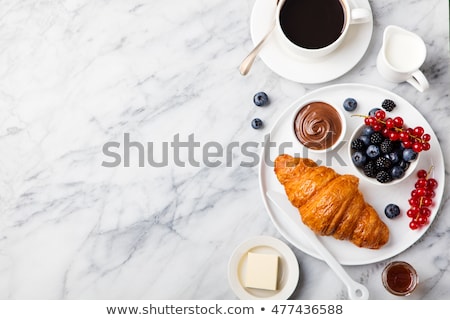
x=263, y=268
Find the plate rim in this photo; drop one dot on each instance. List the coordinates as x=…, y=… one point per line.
x=295, y=242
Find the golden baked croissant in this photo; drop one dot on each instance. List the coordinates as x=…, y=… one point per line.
x=330, y=203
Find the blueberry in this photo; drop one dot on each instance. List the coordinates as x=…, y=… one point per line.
x=257, y=123
x=367, y=131
x=397, y=172
x=409, y=155
x=403, y=164
x=393, y=156
x=350, y=104
x=359, y=159
x=365, y=139
x=373, y=151
x=372, y=112
x=391, y=210
x=261, y=99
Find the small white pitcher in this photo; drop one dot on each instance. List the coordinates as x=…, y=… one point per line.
x=401, y=56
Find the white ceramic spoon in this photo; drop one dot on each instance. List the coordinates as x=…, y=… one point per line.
x=356, y=291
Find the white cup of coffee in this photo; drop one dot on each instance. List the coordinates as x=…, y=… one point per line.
x=401, y=56
x=315, y=28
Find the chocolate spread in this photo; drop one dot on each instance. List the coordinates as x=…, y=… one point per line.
x=318, y=125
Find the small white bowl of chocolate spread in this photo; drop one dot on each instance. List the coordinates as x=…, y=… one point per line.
x=319, y=126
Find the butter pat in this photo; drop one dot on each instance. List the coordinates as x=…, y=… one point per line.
x=262, y=271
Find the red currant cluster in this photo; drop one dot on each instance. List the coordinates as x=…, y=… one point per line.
x=421, y=200
x=392, y=128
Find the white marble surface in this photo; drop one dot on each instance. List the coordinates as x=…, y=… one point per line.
x=76, y=74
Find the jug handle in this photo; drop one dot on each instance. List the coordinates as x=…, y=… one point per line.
x=418, y=81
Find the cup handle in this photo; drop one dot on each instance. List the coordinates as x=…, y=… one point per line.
x=418, y=81
x=360, y=15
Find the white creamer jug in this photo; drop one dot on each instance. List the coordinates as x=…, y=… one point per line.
x=401, y=56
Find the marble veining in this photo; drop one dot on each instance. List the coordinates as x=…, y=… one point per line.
x=77, y=74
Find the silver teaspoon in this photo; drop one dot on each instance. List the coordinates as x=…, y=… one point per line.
x=247, y=63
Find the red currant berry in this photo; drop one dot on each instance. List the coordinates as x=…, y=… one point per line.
x=422, y=220
x=432, y=183
x=426, y=146
x=422, y=173
x=425, y=212
x=398, y=122
x=414, y=202
x=418, y=131
x=393, y=136
x=414, y=194
x=367, y=121
x=385, y=132
x=389, y=123
x=411, y=213
x=430, y=194
x=427, y=202
x=404, y=136
x=426, y=137
x=421, y=192
x=380, y=114
x=421, y=183
x=417, y=147
x=377, y=127
x=407, y=144
x=413, y=225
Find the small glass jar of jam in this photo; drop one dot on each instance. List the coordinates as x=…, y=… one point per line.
x=400, y=278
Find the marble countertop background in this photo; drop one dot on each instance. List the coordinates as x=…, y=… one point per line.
x=77, y=74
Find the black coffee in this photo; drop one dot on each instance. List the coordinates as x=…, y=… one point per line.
x=312, y=24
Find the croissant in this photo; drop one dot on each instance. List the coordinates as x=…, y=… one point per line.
x=329, y=203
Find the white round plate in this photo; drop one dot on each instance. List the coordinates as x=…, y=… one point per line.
x=401, y=236
x=288, y=270
x=298, y=69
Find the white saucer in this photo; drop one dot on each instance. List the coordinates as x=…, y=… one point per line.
x=288, y=270
x=299, y=69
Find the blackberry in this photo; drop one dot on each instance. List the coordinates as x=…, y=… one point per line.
x=383, y=163
x=358, y=145
x=386, y=146
x=370, y=169
x=383, y=176
x=388, y=105
x=376, y=138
